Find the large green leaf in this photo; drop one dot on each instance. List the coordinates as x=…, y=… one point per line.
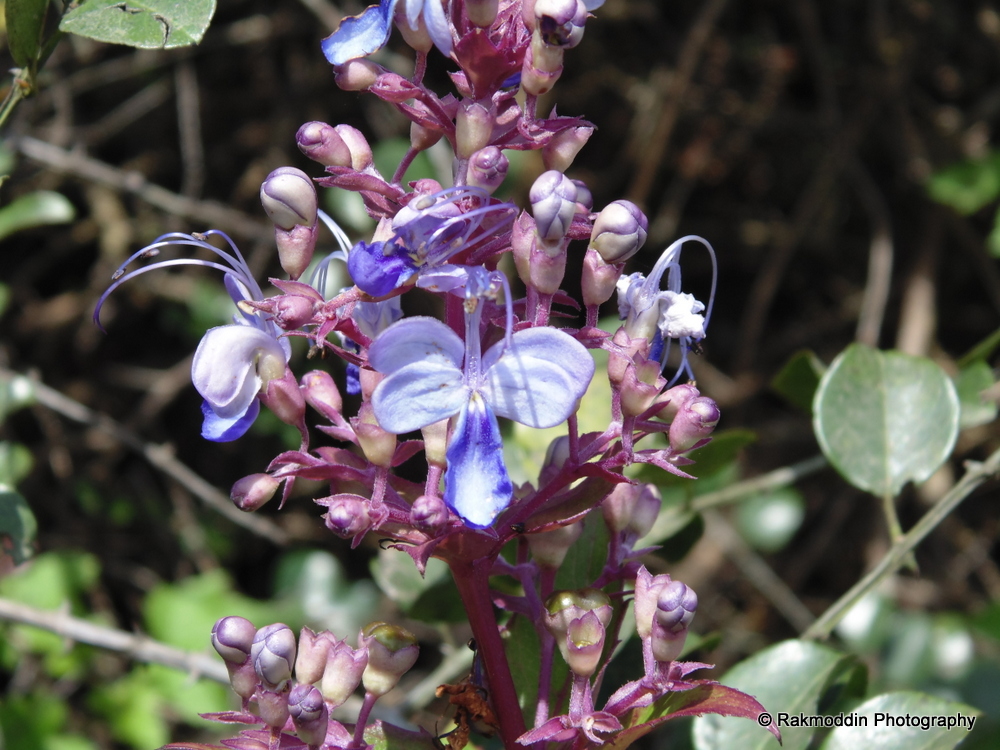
x=25, y=20
x=886, y=718
x=789, y=677
x=35, y=210
x=148, y=24
x=885, y=418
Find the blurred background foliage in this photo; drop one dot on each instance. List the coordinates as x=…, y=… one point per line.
x=842, y=158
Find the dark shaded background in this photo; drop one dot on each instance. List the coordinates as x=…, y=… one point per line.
x=796, y=135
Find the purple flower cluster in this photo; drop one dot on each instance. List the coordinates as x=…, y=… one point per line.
x=438, y=388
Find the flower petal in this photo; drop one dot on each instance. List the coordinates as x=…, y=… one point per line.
x=539, y=378
x=437, y=26
x=418, y=395
x=416, y=339
x=476, y=484
x=222, y=429
x=361, y=35
x=377, y=273
x=224, y=369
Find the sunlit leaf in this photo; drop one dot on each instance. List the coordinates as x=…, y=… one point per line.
x=885, y=418
x=970, y=384
x=886, y=736
x=968, y=185
x=34, y=210
x=147, y=24
x=788, y=677
x=25, y=21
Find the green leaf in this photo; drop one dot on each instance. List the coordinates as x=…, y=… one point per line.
x=585, y=559
x=17, y=528
x=769, y=521
x=147, y=24
x=383, y=736
x=799, y=379
x=970, y=384
x=25, y=22
x=899, y=706
x=399, y=579
x=34, y=210
x=983, y=350
x=15, y=463
x=993, y=240
x=968, y=185
x=788, y=677
x=885, y=418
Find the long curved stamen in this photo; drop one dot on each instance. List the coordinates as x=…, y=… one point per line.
x=320, y=274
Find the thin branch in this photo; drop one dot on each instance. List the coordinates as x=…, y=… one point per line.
x=208, y=213
x=880, y=256
x=137, y=647
x=976, y=473
x=783, y=477
x=160, y=456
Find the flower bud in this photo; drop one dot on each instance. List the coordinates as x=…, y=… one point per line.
x=646, y=597
x=283, y=397
x=321, y=393
x=473, y=129
x=549, y=548
x=619, y=231
x=585, y=644
x=562, y=148
x=553, y=204
x=694, y=422
x=392, y=650
x=273, y=655
x=536, y=81
x=233, y=638
x=272, y=706
x=322, y=143
x=378, y=445
x=309, y=714
x=429, y=514
x=252, y=491
x=435, y=437
x=289, y=198
x=347, y=516
x=522, y=243
x=674, y=398
x=356, y=75
x=584, y=198
x=311, y=659
x=675, y=608
x=641, y=385
x=295, y=248
x=344, y=667
x=487, y=168
x=562, y=607
x=423, y=137
x=599, y=279
x=631, y=508
x=361, y=152
x=416, y=36
x=556, y=456
x=482, y=13
x=560, y=22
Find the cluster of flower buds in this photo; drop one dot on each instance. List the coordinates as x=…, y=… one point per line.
x=294, y=686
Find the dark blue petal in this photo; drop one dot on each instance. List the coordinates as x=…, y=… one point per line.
x=476, y=484
x=361, y=35
x=376, y=273
x=353, y=379
x=222, y=430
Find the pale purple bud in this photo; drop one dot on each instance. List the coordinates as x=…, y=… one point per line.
x=346, y=515
x=641, y=385
x=646, y=596
x=599, y=279
x=549, y=548
x=289, y=311
x=289, y=198
x=563, y=147
x=619, y=231
x=584, y=198
x=321, y=393
x=233, y=638
x=322, y=143
x=675, y=398
x=378, y=445
x=295, y=248
x=283, y=397
x=556, y=456
x=416, y=35
x=273, y=655
x=482, y=13
x=422, y=137
x=392, y=650
x=311, y=659
x=560, y=22
x=562, y=607
x=585, y=644
x=553, y=204
x=632, y=508
x=435, y=437
x=694, y=422
x=544, y=57
x=344, y=667
x=522, y=242
x=487, y=168
x=252, y=491
x=429, y=514
x=473, y=129
x=309, y=714
x=361, y=152
x=272, y=706
x=675, y=608
x=357, y=75
x=540, y=71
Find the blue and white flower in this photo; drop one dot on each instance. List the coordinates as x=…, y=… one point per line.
x=368, y=32
x=534, y=376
